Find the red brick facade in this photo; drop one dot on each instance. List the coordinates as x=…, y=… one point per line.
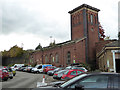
x=81, y=47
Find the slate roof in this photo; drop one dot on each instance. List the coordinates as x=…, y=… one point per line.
x=65, y=43
x=113, y=44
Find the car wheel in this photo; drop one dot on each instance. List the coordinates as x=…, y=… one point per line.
x=37, y=71
x=6, y=79
x=0, y=79
x=11, y=77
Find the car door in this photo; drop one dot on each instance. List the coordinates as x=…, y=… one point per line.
x=115, y=82
x=93, y=82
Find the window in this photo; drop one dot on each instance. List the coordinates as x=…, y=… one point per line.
x=39, y=67
x=93, y=82
x=116, y=82
x=92, y=29
x=57, y=58
x=79, y=18
x=79, y=72
x=50, y=58
x=66, y=72
x=68, y=57
x=46, y=59
x=73, y=22
x=95, y=19
x=73, y=73
x=91, y=18
x=119, y=82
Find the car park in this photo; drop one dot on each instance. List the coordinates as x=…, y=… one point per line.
x=71, y=73
x=58, y=75
x=90, y=81
x=51, y=72
x=4, y=75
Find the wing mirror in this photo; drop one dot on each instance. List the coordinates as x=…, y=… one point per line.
x=79, y=87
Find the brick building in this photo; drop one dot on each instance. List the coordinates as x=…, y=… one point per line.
x=108, y=55
x=81, y=47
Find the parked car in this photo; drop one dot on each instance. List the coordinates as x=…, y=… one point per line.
x=39, y=68
x=58, y=75
x=90, y=81
x=29, y=68
x=21, y=68
x=69, y=67
x=49, y=68
x=4, y=75
x=9, y=70
x=16, y=66
x=51, y=72
x=79, y=68
x=71, y=73
x=25, y=69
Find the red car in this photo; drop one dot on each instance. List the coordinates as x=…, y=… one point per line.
x=49, y=68
x=4, y=75
x=71, y=73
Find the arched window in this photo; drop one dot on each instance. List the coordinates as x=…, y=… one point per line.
x=79, y=18
x=68, y=58
x=51, y=58
x=91, y=19
x=73, y=21
x=46, y=59
x=57, y=58
x=95, y=19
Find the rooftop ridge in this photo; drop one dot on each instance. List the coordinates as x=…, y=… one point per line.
x=84, y=5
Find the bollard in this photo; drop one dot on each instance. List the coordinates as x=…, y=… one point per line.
x=43, y=81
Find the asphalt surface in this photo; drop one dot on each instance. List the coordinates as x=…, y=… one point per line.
x=25, y=80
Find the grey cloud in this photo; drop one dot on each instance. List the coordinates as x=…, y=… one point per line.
x=17, y=19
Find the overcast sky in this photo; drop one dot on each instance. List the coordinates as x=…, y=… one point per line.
x=27, y=23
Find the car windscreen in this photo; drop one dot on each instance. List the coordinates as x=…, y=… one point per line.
x=57, y=69
x=4, y=70
x=37, y=66
x=60, y=71
x=78, y=68
x=51, y=67
x=66, y=72
x=72, y=80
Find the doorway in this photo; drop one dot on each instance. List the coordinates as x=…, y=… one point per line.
x=117, y=65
